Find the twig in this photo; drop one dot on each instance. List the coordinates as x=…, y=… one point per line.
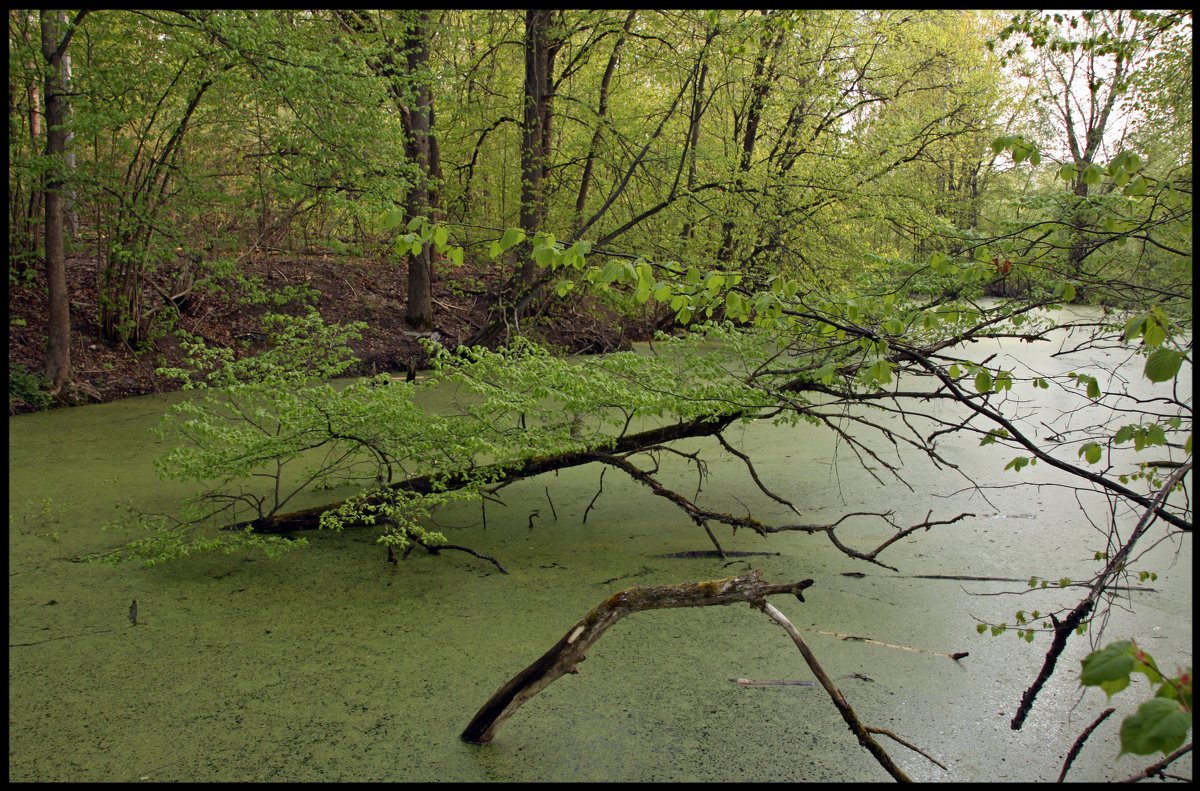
x=1078, y=745
x=957, y=655
x=434, y=549
x=1082, y=610
x=597, y=497
x=856, y=727
x=60, y=637
x=553, y=512
x=1156, y=768
x=754, y=474
x=769, y=682
x=908, y=744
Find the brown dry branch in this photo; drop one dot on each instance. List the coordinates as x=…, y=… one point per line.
x=565, y=656
x=1101, y=584
x=839, y=701
x=1157, y=767
x=1078, y=745
x=568, y=652
x=956, y=655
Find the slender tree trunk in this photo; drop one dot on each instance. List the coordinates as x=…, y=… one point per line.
x=36, y=198
x=420, y=145
x=694, y=141
x=601, y=113
x=70, y=213
x=759, y=90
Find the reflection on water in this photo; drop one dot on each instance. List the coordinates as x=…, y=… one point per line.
x=332, y=664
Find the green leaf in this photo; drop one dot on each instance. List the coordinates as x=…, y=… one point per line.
x=544, y=256
x=1068, y=171
x=1154, y=333
x=1110, y=664
x=1159, y=725
x=1017, y=463
x=1163, y=364
x=1137, y=188
x=981, y=627
x=440, y=235
x=455, y=254
x=881, y=372
x=512, y=236
x=939, y=263
x=391, y=219
x=983, y=381
x=1092, y=452
x=1134, y=327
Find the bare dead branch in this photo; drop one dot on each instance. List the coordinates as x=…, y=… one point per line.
x=1078, y=745
x=957, y=655
x=572, y=649
x=848, y=714
x=1116, y=562
x=1157, y=767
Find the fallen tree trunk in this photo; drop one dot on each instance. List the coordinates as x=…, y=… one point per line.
x=502, y=473
x=565, y=656
x=572, y=649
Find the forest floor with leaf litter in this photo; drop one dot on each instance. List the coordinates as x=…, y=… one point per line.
x=346, y=290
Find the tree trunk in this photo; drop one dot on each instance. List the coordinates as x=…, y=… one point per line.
x=419, y=313
x=58, y=331
x=70, y=211
x=37, y=199
x=540, y=51
x=693, y=142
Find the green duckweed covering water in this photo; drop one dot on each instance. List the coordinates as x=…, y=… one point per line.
x=332, y=664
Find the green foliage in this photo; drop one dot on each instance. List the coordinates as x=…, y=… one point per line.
x=1160, y=724
x=26, y=388
x=263, y=428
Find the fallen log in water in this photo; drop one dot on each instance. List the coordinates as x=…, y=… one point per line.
x=565, y=656
x=572, y=649
x=499, y=474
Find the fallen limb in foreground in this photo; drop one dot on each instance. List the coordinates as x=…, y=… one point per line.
x=572, y=648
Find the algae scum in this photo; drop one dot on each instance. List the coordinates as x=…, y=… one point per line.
x=332, y=664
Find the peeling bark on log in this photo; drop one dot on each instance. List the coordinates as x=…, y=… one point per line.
x=308, y=518
x=572, y=649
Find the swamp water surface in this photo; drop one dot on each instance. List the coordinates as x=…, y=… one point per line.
x=332, y=664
